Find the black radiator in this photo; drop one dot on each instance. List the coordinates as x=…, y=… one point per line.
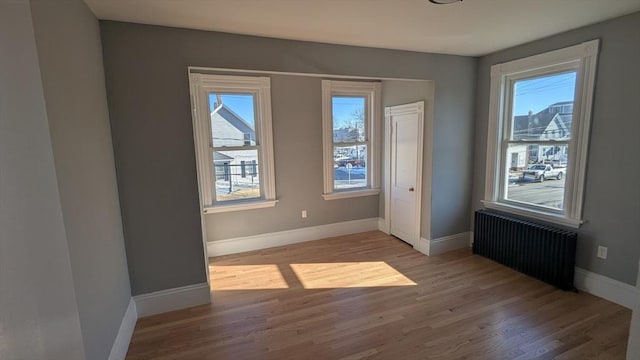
x=540, y=251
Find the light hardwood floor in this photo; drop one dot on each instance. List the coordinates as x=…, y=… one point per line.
x=372, y=296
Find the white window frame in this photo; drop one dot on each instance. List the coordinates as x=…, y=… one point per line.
x=260, y=87
x=371, y=91
x=583, y=59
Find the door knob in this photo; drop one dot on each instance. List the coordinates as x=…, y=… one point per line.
x=411, y=189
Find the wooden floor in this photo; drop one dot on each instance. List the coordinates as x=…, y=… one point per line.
x=372, y=296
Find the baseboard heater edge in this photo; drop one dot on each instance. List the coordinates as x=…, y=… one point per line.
x=540, y=251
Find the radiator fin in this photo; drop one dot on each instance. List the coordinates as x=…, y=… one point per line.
x=541, y=251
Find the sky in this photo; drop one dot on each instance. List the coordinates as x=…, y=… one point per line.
x=343, y=109
x=530, y=94
x=241, y=104
x=538, y=93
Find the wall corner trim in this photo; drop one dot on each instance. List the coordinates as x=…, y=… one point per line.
x=123, y=338
x=423, y=246
x=288, y=237
x=444, y=244
x=172, y=299
x=382, y=226
x=607, y=288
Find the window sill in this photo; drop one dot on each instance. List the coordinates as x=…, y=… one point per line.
x=537, y=215
x=350, y=194
x=240, y=206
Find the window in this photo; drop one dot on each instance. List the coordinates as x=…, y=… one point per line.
x=232, y=132
x=539, y=119
x=350, y=120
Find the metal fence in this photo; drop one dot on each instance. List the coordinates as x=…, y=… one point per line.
x=236, y=177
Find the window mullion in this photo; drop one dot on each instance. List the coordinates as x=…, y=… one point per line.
x=354, y=143
x=540, y=142
x=235, y=148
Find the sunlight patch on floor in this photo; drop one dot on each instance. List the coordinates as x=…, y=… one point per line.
x=246, y=277
x=308, y=276
x=349, y=275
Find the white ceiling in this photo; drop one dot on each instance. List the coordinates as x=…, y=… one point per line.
x=471, y=27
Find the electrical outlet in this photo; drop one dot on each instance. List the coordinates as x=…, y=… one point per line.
x=602, y=252
x=304, y=214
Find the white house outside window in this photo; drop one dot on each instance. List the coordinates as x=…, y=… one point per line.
x=350, y=118
x=233, y=139
x=539, y=118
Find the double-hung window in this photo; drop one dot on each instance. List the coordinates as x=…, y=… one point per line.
x=233, y=140
x=540, y=111
x=350, y=120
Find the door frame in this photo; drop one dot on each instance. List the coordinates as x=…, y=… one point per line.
x=389, y=112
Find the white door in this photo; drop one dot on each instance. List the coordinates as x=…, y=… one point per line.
x=404, y=126
x=514, y=160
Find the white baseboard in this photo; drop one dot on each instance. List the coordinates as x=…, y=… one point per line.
x=471, y=238
x=123, y=338
x=606, y=288
x=444, y=244
x=172, y=299
x=633, y=347
x=280, y=238
x=601, y=286
x=423, y=246
x=382, y=225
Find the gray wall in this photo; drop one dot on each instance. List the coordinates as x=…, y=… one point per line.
x=452, y=149
x=68, y=42
x=297, y=136
x=612, y=194
x=147, y=87
x=297, y=126
x=38, y=311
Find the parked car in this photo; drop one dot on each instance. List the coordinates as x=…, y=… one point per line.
x=542, y=172
x=346, y=160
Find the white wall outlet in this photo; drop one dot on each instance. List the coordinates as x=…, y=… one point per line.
x=602, y=252
x=304, y=214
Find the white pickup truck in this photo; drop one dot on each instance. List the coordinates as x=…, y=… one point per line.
x=542, y=172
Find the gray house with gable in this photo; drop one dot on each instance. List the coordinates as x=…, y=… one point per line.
x=235, y=167
x=552, y=123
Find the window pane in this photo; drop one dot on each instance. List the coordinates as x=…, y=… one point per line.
x=232, y=119
x=236, y=175
x=543, y=107
x=348, y=119
x=536, y=174
x=349, y=167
